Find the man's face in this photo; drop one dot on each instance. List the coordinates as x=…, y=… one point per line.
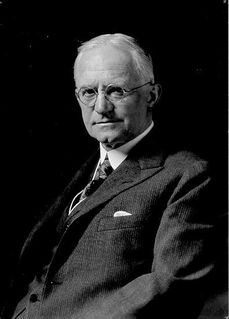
x=112, y=123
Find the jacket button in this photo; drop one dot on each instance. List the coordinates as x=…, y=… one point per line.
x=33, y=298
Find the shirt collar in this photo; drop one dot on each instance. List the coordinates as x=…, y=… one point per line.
x=118, y=155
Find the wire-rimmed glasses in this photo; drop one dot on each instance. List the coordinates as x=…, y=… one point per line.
x=113, y=93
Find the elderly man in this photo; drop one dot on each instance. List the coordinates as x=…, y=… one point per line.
x=130, y=237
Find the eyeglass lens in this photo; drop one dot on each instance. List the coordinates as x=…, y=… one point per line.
x=112, y=93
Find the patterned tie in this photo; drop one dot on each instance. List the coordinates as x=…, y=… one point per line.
x=101, y=174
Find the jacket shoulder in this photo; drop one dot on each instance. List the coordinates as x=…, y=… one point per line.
x=185, y=161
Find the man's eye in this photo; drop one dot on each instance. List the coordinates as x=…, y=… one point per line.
x=87, y=93
x=115, y=92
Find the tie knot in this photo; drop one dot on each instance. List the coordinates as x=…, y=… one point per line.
x=104, y=169
x=101, y=174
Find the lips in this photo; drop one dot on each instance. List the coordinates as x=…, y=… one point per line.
x=107, y=122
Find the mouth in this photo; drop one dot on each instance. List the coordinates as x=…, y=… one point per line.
x=107, y=122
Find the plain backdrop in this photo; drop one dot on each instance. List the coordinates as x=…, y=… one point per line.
x=43, y=140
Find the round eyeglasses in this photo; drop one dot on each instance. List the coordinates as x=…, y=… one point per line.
x=112, y=93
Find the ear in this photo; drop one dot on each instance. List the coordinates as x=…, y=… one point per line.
x=154, y=94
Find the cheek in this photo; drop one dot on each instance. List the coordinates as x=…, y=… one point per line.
x=134, y=114
x=135, y=118
x=86, y=115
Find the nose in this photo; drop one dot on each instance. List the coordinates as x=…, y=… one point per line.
x=102, y=104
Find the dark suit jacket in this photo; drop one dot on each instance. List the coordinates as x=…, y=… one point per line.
x=154, y=263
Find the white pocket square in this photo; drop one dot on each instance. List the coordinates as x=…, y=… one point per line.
x=121, y=213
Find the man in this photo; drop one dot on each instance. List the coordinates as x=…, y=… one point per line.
x=131, y=236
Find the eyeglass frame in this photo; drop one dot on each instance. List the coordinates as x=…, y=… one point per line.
x=126, y=92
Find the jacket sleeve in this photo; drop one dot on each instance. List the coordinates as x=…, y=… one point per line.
x=184, y=258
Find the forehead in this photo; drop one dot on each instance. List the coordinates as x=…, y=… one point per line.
x=106, y=63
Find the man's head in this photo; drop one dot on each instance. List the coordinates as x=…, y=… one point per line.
x=106, y=71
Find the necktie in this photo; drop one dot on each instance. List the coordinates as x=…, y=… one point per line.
x=101, y=174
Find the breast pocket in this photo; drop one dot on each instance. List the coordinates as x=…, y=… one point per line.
x=121, y=222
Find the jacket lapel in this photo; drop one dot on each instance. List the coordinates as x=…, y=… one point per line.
x=127, y=175
x=145, y=160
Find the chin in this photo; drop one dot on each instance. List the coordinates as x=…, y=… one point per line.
x=113, y=143
x=107, y=140
x=111, y=137
x=110, y=140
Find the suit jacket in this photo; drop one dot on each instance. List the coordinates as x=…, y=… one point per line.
x=154, y=262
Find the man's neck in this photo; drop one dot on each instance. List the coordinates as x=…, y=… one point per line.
x=118, y=155
x=108, y=147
